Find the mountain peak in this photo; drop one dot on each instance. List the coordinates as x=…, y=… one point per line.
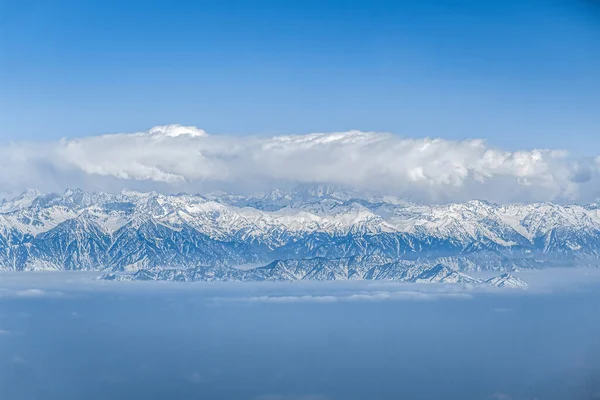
x=507, y=281
x=313, y=221
x=21, y=201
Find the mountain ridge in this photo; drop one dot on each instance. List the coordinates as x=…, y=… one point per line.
x=128, y=231
x=319, y=270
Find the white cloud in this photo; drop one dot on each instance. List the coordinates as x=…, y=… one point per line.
x=174, y=157
x=401, y=295
x=34, y=293
x=27, y=293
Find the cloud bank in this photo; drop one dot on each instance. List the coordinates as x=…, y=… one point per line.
x=403, y=295
x=28, y=293
x=180, y=158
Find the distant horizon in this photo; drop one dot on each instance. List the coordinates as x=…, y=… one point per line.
x=214, y=195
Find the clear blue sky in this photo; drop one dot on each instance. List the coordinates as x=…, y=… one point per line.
x=520, y=73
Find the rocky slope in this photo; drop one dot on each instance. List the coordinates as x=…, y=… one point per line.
x=131, y=231
x=316, y=269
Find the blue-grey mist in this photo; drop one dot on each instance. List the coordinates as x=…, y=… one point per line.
x=214, y=344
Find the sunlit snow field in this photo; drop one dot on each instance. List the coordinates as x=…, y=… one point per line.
x=65, y=335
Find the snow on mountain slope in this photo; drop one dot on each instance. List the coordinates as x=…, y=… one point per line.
x=128, y=231
x=23, y=200
x=316, y=269
x=507, y=281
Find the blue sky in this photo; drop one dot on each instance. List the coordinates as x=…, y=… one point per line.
x=520, y=74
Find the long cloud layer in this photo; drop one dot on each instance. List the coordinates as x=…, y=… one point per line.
x=178, y=158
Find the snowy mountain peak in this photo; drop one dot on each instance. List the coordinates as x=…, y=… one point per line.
x=307, y=192
x=131, y=230
x=308, y=269
x=21, y=201
x=443, y=274
x=507, y=281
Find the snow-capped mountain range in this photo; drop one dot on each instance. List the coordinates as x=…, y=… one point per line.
x=318, y=269
x=288, y=232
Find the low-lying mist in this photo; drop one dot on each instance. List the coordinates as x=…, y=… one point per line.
x=67, y=336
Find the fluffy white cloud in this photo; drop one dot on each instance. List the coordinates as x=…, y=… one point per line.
x=176, y=157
